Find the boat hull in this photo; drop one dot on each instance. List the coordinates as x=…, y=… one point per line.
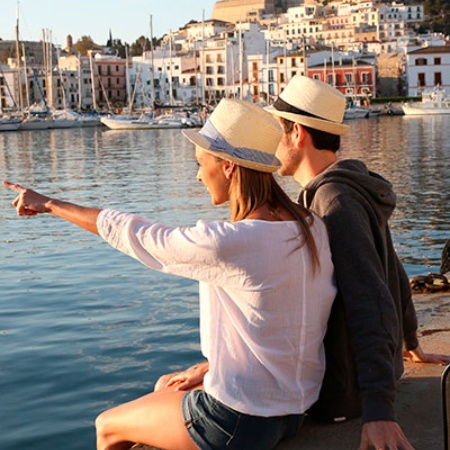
x=418, y=109
x=434, y=101
x=127, y=124
x=34, y=125
x=356, y=113
x=9, y=125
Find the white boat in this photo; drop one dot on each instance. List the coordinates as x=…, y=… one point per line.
x=64, y=119
x=356, y=112
x=9, y=124
x=35, y=123
x=434, y=101
x=89, y=120
x=142, y=122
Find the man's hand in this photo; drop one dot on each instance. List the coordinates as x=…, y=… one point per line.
x=383, y=435
x=418, y=356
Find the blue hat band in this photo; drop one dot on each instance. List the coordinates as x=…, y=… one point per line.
x=220, y=144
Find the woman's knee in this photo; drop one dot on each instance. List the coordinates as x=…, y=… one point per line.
x=162, y=382
x=104, y=431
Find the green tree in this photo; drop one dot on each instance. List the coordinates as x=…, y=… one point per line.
x=84, y=45
x=140, y=45
x=143, y=44
x=119, y=48
x=438, y=16
x=5, y=54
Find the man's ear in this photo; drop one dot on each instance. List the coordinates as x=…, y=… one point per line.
x=228, y=168
x=299, y=132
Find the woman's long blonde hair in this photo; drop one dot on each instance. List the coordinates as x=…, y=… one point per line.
x=250, y=189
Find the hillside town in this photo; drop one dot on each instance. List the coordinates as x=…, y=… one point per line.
x=248, y=49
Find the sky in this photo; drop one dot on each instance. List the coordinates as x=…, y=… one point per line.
x=127, y=19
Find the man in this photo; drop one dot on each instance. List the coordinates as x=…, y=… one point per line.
x=373, y=315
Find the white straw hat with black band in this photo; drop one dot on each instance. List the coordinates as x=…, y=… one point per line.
x=311, y=103
x=241, y=132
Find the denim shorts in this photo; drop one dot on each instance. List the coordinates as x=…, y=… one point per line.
x=214, y=426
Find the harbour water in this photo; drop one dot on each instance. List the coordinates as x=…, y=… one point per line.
x=83, y=327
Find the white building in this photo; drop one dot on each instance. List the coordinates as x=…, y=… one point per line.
x=428, y=67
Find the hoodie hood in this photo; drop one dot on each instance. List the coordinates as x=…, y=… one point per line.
x=353, y=175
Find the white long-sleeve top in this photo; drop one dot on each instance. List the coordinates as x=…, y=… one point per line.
x=263, y=310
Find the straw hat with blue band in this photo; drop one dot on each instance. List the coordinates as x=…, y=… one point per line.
x=311, y=103
x=241, y=132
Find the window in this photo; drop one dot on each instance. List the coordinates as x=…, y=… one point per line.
x=348, y=78
x=437, y=61
x=438, y=79
x=421, y=62
x=365, y=77
x=421, y=82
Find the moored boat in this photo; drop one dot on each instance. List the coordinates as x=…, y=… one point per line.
x=356, y=112
x=434, y=101
x=142, y=122
x=9, y=124
x=64, y=119
x=34, y=123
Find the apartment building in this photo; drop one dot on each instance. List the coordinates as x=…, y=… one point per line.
x=354, y=78
x=427, y=67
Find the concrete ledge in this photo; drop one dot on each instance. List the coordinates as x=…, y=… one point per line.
x=419, y=403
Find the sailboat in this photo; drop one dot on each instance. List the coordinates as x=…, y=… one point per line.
x=9, y=124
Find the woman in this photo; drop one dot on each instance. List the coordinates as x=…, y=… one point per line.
x=266, y=289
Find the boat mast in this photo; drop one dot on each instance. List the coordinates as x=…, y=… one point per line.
x=170, y=70
x=152, y=78
x=91, y=65
x=241, y=64
x=25, y=69
x=332, y=64
x=127, y=83
x=19, y=69
x=48, y=65
x=80, y=92
x=203, y=58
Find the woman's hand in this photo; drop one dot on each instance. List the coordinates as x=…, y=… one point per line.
x=31, y=203
x=186, y=380
x=28, y=202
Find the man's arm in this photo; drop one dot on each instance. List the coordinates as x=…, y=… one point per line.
x=371, y=312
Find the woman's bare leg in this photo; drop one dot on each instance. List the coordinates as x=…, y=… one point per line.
x=154, y=419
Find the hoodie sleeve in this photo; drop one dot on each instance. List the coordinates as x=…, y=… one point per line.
x=408, y=309
x=370, y=309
